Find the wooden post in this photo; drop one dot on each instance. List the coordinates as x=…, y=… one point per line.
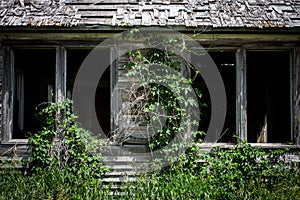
x=7, y=92
x=241, y=97
x=1, y=91
x=58, y=143
x=295, y=96
x=60, y=79
x=113, y=81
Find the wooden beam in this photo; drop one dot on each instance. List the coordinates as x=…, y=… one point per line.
x=204, y=38
x=61, y=72
x=241, y=94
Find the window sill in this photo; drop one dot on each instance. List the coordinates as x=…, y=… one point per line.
x=15, y=141
x=202, y=145
x=261, y=145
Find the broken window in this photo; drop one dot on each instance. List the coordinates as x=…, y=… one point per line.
x=268, y=96
x=30, y=77
x=34, y=83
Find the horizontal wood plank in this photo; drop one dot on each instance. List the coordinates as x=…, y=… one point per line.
x=101, y=2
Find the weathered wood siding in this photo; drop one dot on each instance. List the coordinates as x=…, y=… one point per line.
x=133, y=128
x=124, y=126
x=188, y=13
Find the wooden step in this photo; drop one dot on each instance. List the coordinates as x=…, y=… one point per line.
x=125, y=159
x=126, y=163
x=115, y=173
x=118, y=179
x=125, y=150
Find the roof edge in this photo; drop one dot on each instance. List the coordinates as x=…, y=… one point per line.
x=196, y=30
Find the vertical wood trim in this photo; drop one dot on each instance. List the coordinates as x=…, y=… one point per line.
x=7, y=88
x=113, y=81
x=241, y=94
x=1, y=91
x=60, y=75
x=295, y=96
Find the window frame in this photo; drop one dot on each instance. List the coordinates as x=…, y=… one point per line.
x=113, y=72
x=241, y=85
x=8, y=89
x=241, y=57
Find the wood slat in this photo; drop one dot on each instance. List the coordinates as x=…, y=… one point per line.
x=101, y=7
x=119, y=179
x=97, y=14
x=82, y=2
x=122, y=173
x=125, y=150
x=92, y=21
x=151, y=7
x=97, y=2
x=122, y=159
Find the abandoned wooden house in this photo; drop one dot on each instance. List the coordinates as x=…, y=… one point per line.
x=254, y=43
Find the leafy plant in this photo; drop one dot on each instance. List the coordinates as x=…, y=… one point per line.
x=159, y=94
x=241, y=172
x=63, y=144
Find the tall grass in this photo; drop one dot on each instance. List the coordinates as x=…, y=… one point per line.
x=49, y=184
x=242, y=172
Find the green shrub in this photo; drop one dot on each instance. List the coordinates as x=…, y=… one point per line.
x=74, y=170
x=242, y=172
x=65, y=162
x=166, y=87
x=62, y=143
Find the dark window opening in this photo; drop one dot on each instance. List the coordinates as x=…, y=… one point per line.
x=102, y=101
x=204, y=103
x=34, y=83
x=75, y=57
x=225, y=61
x=268, y=96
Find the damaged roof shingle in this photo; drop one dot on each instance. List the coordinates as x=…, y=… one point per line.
x=37, y=13
x=190, y=13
